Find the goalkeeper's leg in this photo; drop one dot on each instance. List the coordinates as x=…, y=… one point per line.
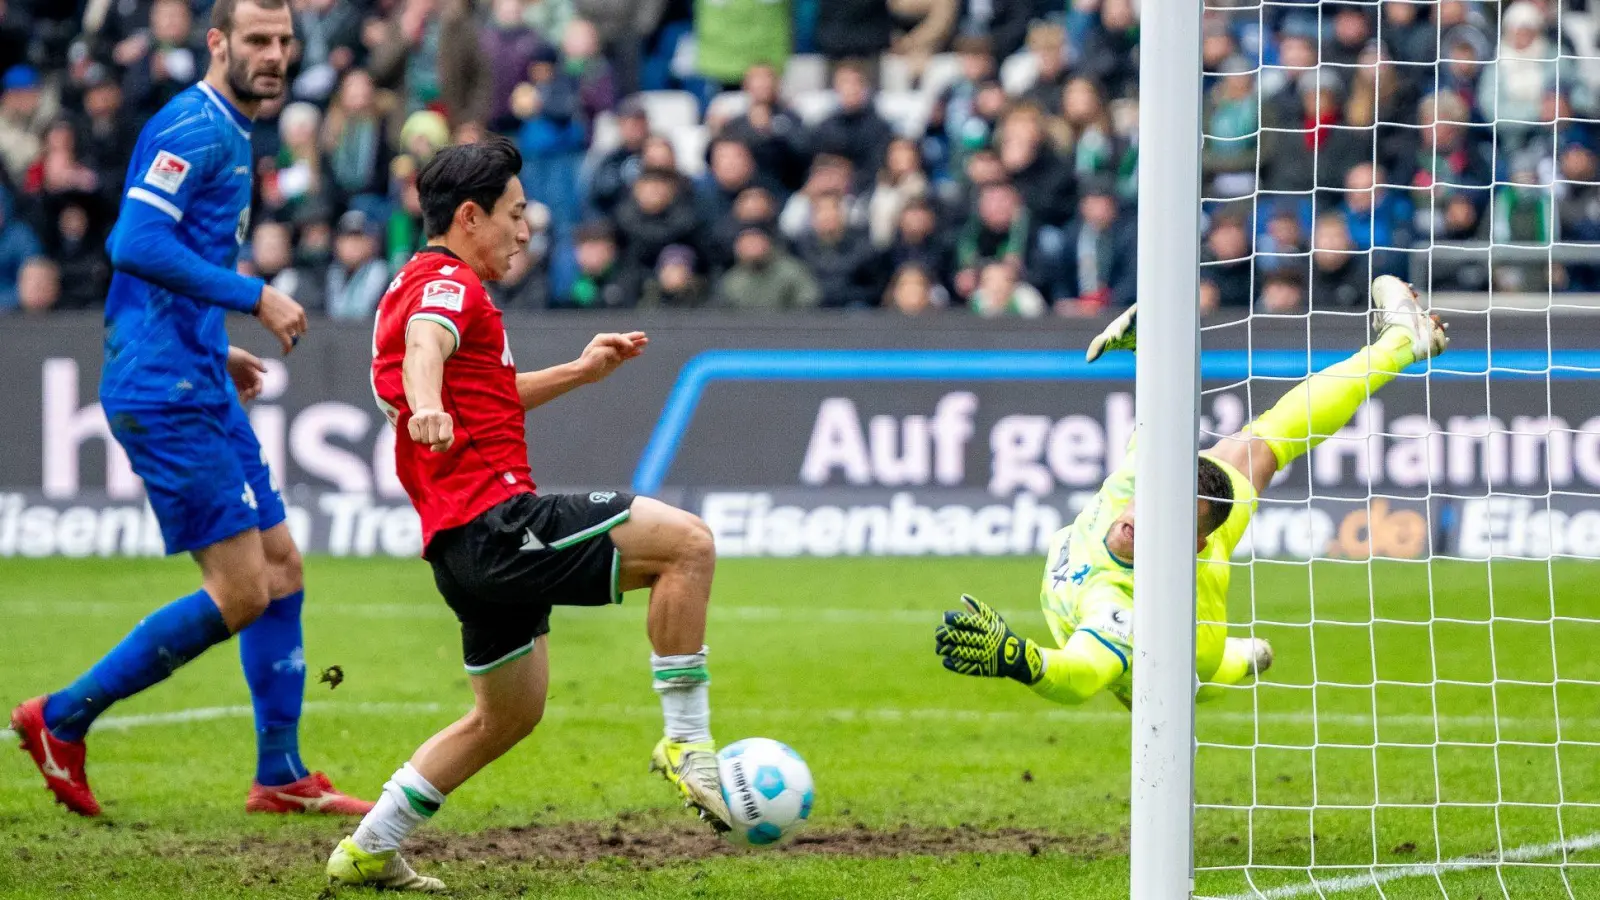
x=1325, y=402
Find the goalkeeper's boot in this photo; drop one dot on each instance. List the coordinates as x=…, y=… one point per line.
x=692, y=769
x=311, y=794
x=1260, y=657
x=60, y=762
x=351, y=865
x=1395, y=305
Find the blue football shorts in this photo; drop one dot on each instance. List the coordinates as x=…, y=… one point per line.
x=203, y=470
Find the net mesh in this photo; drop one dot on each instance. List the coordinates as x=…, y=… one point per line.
x=1431, y=727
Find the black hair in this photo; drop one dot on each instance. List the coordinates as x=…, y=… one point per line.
x=222, y=11
x=477, y=173
x=1216, y=489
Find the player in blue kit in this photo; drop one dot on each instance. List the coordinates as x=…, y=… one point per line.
x=171, y=389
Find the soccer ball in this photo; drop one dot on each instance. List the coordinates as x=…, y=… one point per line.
x=767, y=787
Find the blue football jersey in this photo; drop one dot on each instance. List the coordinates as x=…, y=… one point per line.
x=166, y=341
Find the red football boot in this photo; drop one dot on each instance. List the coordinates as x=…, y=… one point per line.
x=60, y=762
x=311, y=794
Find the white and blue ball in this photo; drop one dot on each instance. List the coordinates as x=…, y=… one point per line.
x=768, y=789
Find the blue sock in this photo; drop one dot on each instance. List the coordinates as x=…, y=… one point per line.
x=275, y=667
x=161, y=643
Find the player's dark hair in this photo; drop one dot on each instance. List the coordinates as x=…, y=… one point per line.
x=1216, y=489
x=222, y=11
x=478, y=172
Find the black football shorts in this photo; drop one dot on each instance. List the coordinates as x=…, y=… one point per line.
x=503, y=571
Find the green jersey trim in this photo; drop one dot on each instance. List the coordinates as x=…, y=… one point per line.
x=516, y=654
x=592, y=531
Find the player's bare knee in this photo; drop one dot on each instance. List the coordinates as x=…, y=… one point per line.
x=242, y=597
x=285, y=572
x=695, y=545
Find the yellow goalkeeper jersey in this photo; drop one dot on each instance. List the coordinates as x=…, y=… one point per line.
x=1086, y=588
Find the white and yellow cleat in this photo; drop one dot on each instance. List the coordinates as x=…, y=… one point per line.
x=1395, y=305
x=352, y=866
x=692, y=769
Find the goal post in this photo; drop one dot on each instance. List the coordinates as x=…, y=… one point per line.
x=1166, y=411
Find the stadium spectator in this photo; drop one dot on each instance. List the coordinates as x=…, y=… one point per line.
x=1283, y=293
x=296, y=178
x=24, y=115
x=1338, y=273
x=1002, y=293
x=355, y=138
x=960, y=99
x=1408, y=33
x=1097, y=267
x=919, y=241
x=855, y=130
x=18, y=244
x=1086, y=130
x=106, y=135
x=1352, y=29
x=79, y=250
x=548, y=17
x=552, y=136
x=731, y=172
x=1283, y=245
x=508, y=43
x=831, y=174
x=1005, y=21
x=1225, y=270
x=597, y=283
x=841, y=257
x=770, y=129
x=1232, y=122
x=1111, y=49
x=162, y=60
x=1047, y=45
x=900, y=182
x=1043, y=180
x=1377, y=218
x=657, y=214
x=658, y=154
x=272, y=260
x=620, y=166
x=358, y=276
x=1001, y=231
x=674, y=284
x=914, y=291
x=765, y=277
x=1512, y=90
x=329, y=31
x=753, y=206
x=38, y=286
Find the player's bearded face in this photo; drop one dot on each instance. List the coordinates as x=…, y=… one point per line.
x=256, y=52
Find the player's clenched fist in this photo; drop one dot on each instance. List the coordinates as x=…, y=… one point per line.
x=432, y=427
x=282, y=316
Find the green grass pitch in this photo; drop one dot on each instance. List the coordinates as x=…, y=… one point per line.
x=928, y=785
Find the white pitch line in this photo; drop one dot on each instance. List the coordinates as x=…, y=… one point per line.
x=611, y=712
x=1343, y=884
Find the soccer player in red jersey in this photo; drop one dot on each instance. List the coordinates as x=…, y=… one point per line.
x=503, y=555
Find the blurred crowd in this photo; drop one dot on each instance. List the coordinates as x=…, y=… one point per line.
x=914, y=155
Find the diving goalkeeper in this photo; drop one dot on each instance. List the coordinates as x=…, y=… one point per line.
x=1087, y=592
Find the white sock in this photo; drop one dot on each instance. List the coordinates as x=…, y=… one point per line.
x=407, y=801
x=684, y=684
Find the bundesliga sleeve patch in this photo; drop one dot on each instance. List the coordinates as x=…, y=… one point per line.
x=444, y=294
x=167, y=172
x=1111, y=621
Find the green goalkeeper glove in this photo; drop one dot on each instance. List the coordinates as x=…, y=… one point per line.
x=979, y=642
x=1121, y=334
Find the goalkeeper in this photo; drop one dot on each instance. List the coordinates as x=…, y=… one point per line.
x=1087, y=592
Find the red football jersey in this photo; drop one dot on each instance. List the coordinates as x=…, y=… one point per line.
x=488, y=463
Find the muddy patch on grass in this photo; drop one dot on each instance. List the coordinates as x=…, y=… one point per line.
x=648, y=845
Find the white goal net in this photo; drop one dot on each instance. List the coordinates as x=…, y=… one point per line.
x=1431, y=728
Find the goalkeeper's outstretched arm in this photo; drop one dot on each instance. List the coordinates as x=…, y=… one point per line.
x=977, y=641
